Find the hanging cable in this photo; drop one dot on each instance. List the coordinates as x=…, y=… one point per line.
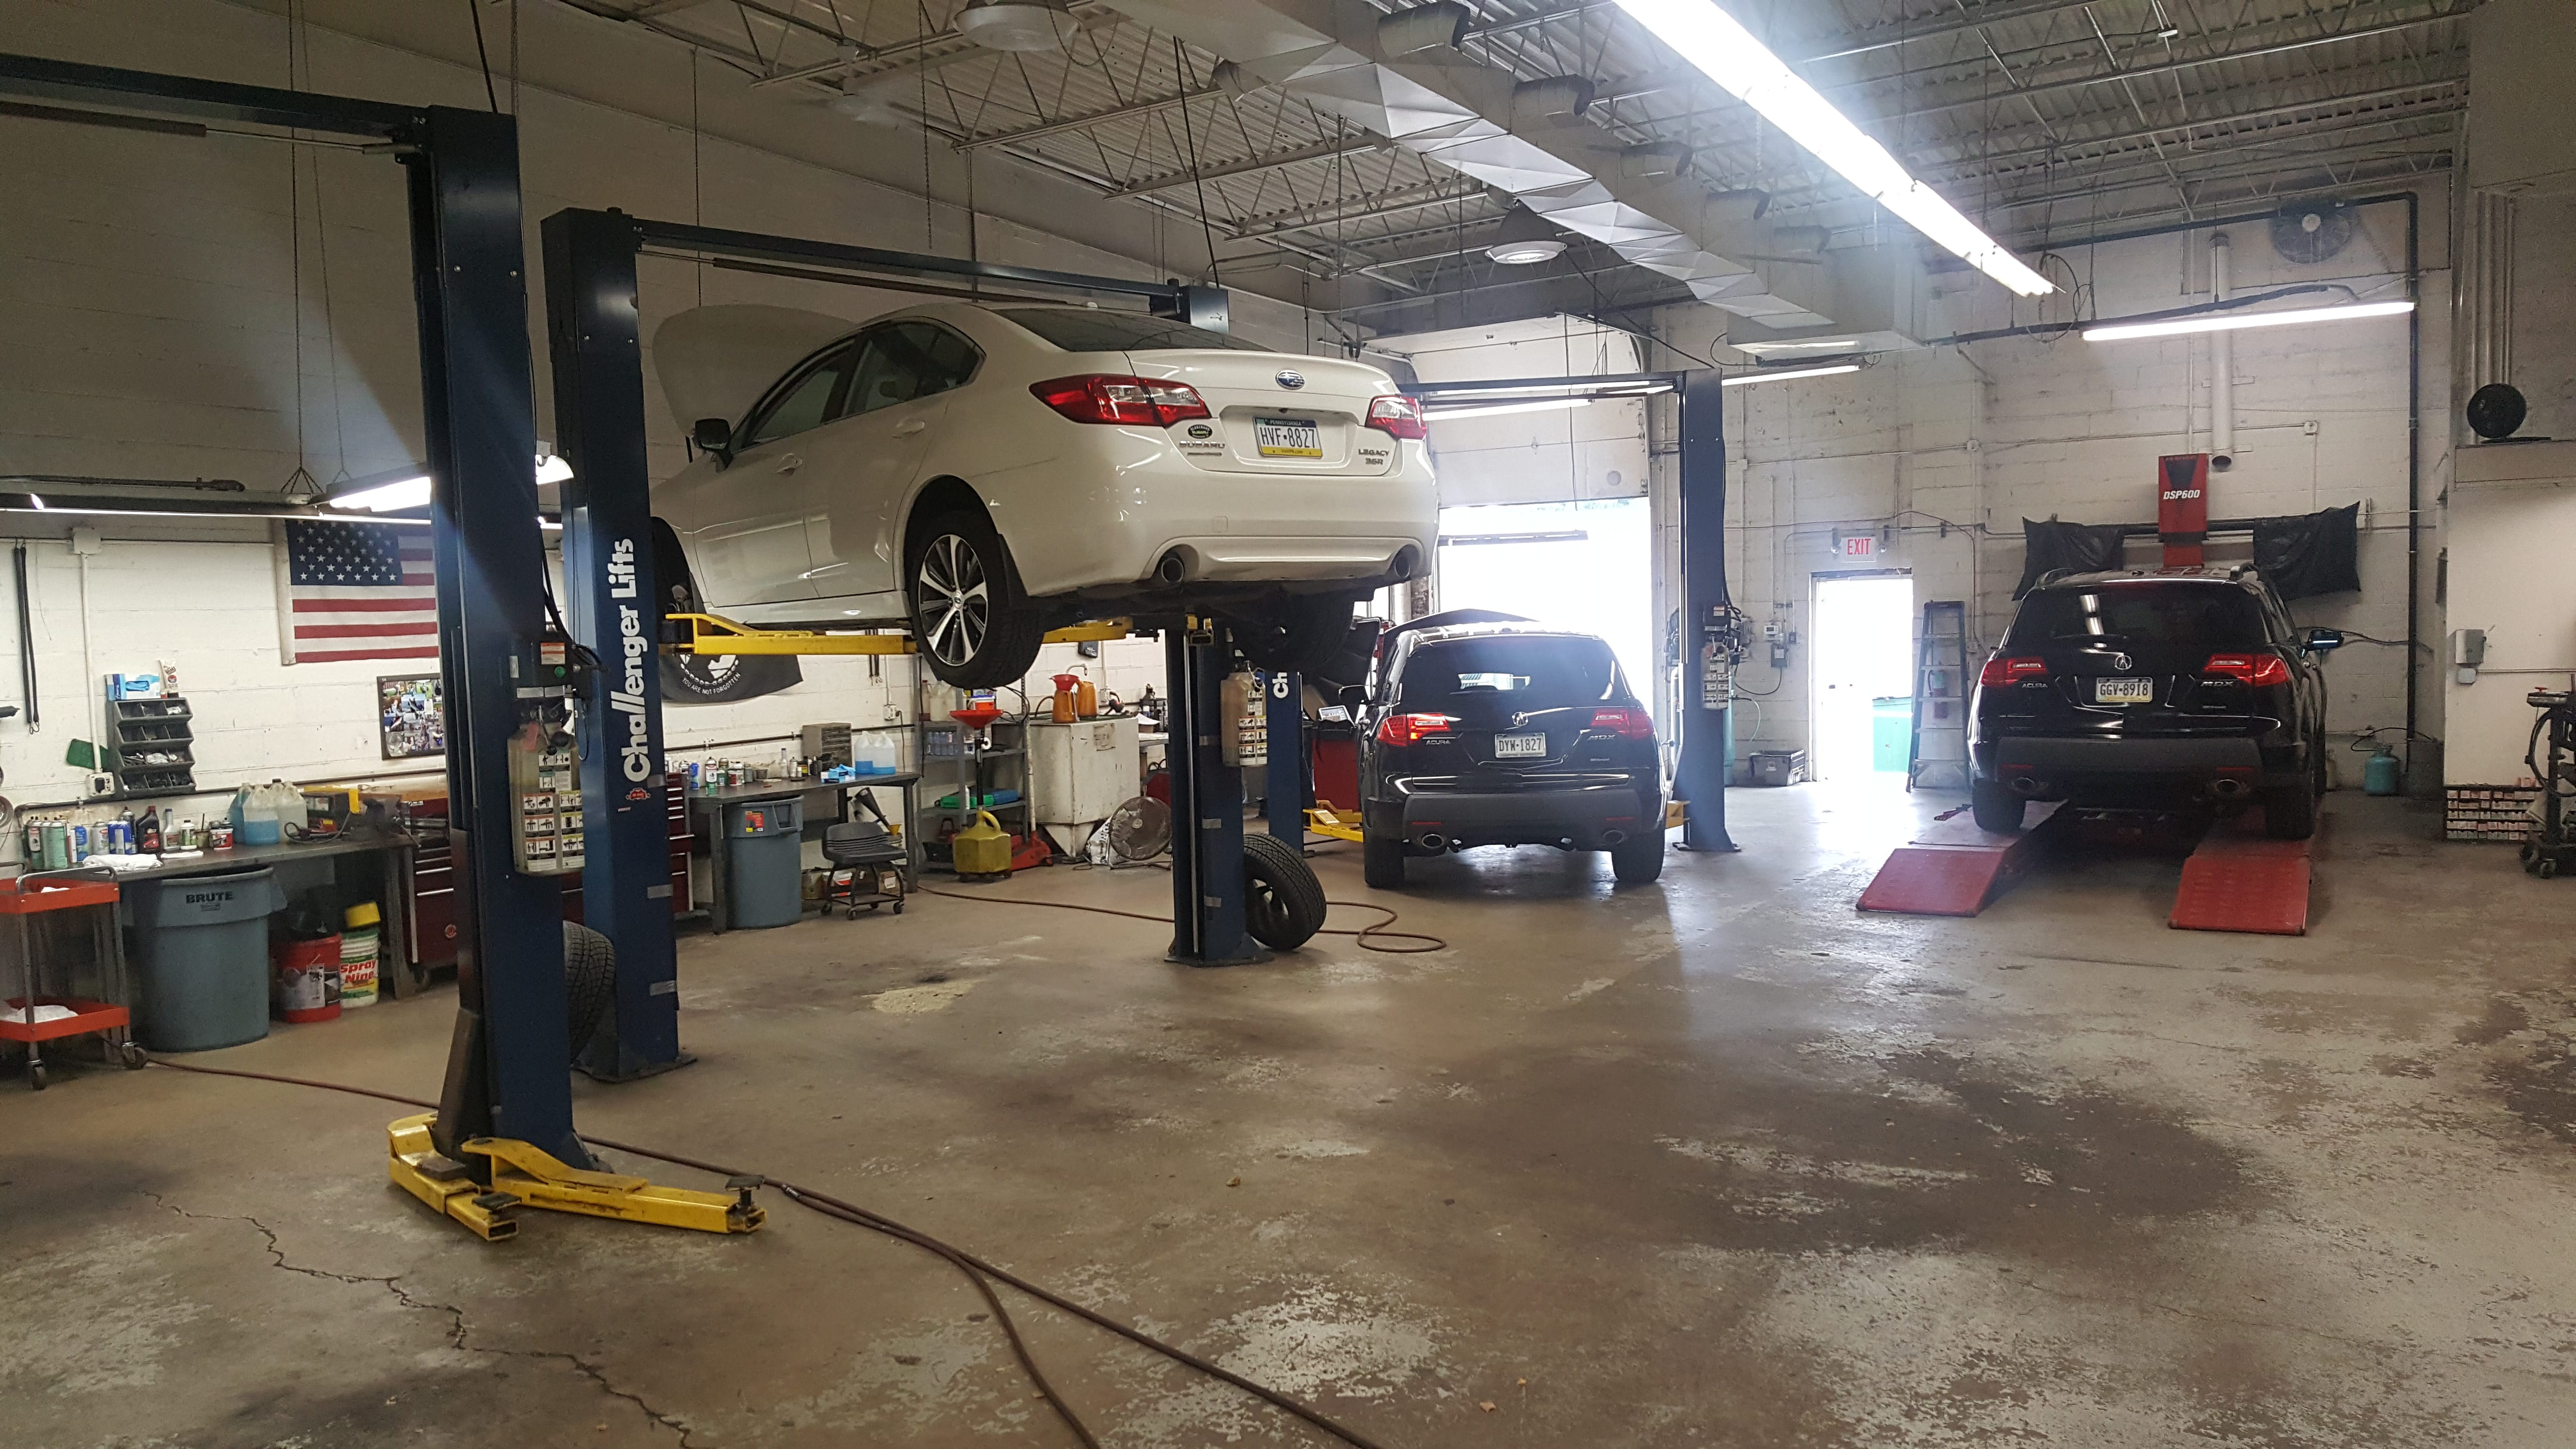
x=1198, y=180
x=490, y=96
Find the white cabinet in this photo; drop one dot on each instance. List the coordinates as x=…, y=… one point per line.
x=1080, y=773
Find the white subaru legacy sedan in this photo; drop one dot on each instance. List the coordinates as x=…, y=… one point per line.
x=987, y=473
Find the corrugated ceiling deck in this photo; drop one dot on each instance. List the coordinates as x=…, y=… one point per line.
x=2030, y=114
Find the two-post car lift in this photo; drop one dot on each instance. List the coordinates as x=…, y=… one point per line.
x=503, y=1136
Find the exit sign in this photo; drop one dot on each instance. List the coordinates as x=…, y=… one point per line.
x=1856, y=545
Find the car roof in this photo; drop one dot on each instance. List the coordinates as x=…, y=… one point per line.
x=2242, y=575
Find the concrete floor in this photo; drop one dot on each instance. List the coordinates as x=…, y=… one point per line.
x=1712, y=1162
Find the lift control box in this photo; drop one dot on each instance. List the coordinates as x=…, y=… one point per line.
x=1243, y=721
x=545, y=765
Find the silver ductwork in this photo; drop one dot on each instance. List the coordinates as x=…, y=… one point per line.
x=1400, y=75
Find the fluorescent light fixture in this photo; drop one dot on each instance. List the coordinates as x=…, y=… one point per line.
x=385, y=497
x=1786, y=373
x=2233, y=321
x=1725, y=52
x=413, y=492
x=1491, y=410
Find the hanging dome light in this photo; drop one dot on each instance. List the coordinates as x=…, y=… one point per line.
x=1014, y=24
x=1525, y=239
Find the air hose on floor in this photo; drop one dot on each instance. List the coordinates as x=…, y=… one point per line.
x=1367, y=937
x=979, y=1272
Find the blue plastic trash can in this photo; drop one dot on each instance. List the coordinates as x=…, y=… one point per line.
x=765, y=876
x=201, y=958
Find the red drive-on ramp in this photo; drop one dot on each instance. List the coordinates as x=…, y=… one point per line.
x=2238, y=880
x=1953, y=868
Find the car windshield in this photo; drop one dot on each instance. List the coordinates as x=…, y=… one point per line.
x=1081, y=329
x=1520, y=673
x=2186, y=615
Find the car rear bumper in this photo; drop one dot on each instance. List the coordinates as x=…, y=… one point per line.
x=2218, y=765
x=1594, y=818
x=1092, y=526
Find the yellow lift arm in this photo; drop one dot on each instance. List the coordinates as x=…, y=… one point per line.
x=713, y=634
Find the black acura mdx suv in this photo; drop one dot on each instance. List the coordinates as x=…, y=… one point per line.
x=2157, y=688
x=1478, y=728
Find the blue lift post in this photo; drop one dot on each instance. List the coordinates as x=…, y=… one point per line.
x=1207, y=803
x=611, y=590
x=1707, y=730
x=1285, y=787
x=506, y=1072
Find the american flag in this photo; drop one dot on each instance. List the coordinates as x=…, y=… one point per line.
x=359, y=591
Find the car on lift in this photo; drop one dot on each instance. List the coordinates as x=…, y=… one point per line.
x=1483, y=728
x=2169, y=688
x=987, y=473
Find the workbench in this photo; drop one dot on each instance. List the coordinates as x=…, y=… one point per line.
x=391, y=884
x=706, y=822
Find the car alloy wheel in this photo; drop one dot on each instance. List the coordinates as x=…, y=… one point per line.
x=953, y=599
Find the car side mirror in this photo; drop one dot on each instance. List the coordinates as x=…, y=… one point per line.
x=713, y=435
x=1353, y=698
x=2319, y=641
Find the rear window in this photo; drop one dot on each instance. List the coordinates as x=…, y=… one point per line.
x=2140, y=614
x=1080, y=329
x=1518, y=674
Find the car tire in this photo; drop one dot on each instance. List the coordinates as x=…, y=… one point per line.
x=1381, y=861
x=590, y=982
x=1297, y=637
x=974, y=627
x=2290, y=813
x=1998, y=810
x=1638, y=861
x=678, y=588
x=1283, y=903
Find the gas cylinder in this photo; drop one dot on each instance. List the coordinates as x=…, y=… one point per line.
x=2379, y=774
x=983, y=848
x=1064, y=704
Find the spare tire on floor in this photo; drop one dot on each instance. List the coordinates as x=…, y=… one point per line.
x=590, y=981
x=1283, y=903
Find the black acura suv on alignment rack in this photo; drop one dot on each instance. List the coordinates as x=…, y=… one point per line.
x=1478, y=728
x=2159, y=689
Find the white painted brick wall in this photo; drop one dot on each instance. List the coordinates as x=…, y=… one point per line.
x=2039, y=427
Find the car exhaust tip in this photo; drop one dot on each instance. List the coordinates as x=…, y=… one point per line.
x=1613, y=837
x=2025, y=785
x=1407, y=560
x=1432, y=842
x=2226, y=789
x=1172, y=568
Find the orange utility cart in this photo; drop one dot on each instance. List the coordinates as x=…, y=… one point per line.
x=33, y=1016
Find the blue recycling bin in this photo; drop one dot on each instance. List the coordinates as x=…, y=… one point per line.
x=764, y=863
x=201, y=958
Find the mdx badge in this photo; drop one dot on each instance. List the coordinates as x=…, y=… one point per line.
x=1291, y=380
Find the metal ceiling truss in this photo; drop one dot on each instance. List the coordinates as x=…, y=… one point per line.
x=2015, y=108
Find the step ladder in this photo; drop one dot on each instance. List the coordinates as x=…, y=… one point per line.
x=1938, y=756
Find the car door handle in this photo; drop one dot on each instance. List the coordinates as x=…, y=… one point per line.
x=909, y=426
x=791, y=463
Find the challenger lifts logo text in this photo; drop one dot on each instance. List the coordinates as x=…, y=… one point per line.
x=636, y=755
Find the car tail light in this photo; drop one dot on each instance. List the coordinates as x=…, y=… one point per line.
x=1118, y=399
x=1397, y=416
x=1628, y=724
x=2001, y=671
x=1409, y=729
x=2258, y=669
